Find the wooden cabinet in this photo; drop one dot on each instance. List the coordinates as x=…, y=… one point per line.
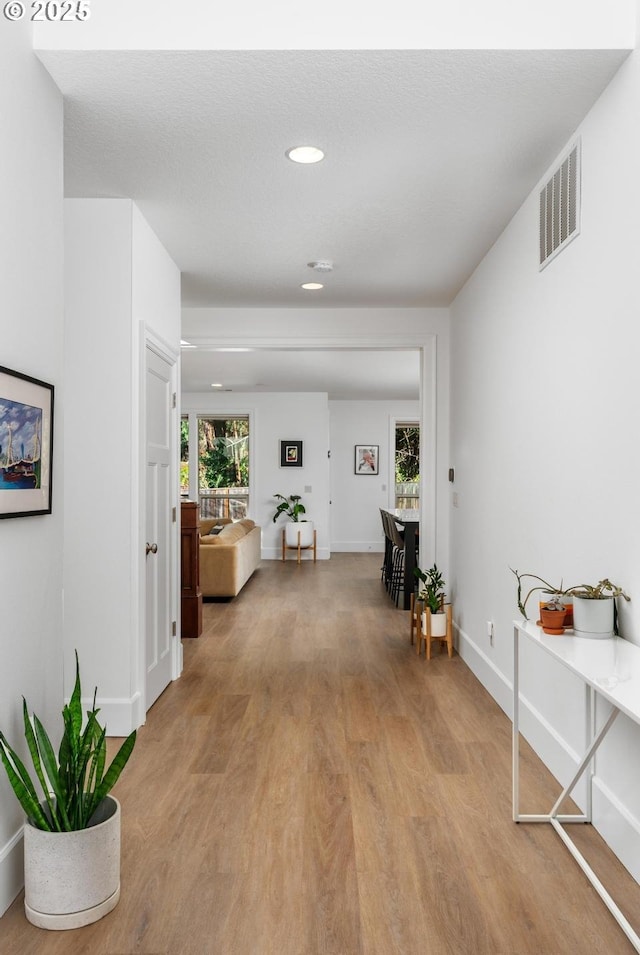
x=191, y=595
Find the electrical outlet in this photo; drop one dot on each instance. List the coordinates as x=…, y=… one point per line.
x=490, y=631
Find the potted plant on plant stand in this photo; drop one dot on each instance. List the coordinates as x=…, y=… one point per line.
x=293, y=508
x=433, y=596
x=72, y=831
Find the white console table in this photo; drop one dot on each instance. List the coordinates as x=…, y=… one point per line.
x=610, y=669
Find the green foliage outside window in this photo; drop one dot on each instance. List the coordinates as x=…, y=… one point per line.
x=407, y=454
x=223, y=452
x=184, y=455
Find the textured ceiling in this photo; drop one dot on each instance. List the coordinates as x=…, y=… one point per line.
x=428, y=156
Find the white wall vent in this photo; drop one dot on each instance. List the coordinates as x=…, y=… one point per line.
x=560, y=207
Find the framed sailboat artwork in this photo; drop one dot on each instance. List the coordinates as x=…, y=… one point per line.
x=26, y=444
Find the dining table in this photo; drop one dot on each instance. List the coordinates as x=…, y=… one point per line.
x=409, y=519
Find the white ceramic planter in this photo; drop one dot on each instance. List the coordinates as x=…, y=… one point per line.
x=438, y=624
x=593, y=618
x=73, y=878
x=293, y=528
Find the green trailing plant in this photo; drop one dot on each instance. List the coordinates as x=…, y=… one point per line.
x=432, y=592
x=290, y=506
x=542, y=584
x=600, y=591
x=74, y=782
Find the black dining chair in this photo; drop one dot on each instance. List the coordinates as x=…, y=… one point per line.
x=385, y=570
x=394, y=556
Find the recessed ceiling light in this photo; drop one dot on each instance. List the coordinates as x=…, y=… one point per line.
x=233, y=349
x=215, y=385
x=312, y=286
x=304, y=154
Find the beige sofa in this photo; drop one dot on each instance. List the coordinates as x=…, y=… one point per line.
x=227, y=558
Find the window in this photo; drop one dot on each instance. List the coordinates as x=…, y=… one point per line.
x=223, y=466
x=184, y=457
x=407, y=465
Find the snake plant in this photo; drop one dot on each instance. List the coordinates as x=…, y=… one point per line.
x=75, y=782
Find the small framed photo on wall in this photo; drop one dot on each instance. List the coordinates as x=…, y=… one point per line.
x=291, y=454
x=366, y=458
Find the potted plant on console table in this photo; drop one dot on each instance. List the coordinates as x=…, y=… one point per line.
x=590, y=607
x=72, y=836
x=594, y=608
x=293, y=508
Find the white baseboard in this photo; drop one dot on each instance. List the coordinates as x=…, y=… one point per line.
x=275, y=553
x=617, y=826
x=120, y=716
x=493, y=680
x=554, y=751
x=357, y=547
x=11, y=871
x=619, y=829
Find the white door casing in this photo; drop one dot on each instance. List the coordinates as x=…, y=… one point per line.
x=160, y=543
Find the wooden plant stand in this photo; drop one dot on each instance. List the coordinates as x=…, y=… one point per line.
x=428, y=636
x=297, y=547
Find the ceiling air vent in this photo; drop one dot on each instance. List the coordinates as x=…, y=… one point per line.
x=560, y=207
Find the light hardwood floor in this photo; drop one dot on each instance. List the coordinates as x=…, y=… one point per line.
x=310, y=786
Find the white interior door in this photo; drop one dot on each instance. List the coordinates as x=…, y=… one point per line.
x=159, y=624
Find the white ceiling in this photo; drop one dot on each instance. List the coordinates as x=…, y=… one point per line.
x=428, y=156
x=344, y=374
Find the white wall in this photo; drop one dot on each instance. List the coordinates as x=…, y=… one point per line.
x=356, y=498
x=275, y=417
x=545, y=360
x=98, y=379
x=31, y=342
x=155, y=282
x=117, y=277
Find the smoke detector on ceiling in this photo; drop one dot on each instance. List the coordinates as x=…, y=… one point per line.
x=322, y=265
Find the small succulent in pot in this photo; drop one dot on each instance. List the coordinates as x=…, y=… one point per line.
x=553, y=614
x=554, y=603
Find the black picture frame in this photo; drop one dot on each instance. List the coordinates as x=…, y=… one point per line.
x=291, y=454
x=366, y=459
x=26, y=445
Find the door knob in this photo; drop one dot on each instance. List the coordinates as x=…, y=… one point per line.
x=151, y=549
